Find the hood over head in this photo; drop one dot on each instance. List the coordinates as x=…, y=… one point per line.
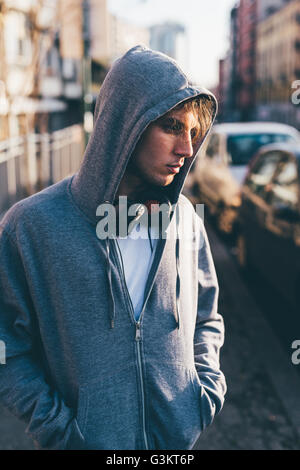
x=141, y=86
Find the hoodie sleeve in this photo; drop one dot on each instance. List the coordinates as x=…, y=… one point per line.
x=24, y=390
x=209, y=334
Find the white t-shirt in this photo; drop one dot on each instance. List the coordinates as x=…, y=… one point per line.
x=137, y=255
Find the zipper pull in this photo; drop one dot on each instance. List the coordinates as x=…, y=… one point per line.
x=138, y=332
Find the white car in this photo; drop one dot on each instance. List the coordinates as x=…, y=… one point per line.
x=219, y=171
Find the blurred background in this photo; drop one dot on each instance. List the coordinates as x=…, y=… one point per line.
x=54, y=56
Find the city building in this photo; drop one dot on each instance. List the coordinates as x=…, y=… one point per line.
x=228, y=78
x=232, y=112
x=124, y=35
x=221, y=91
x=23, y=26
x=241, y=87
x=170, y=38
x=84, y=50
x=100, y=34
x=278, y=65
x=245, y=58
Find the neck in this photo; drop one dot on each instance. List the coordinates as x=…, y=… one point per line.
x=130, y=185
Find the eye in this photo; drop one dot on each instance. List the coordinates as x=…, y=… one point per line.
x=171, y=126
x=194, y=133
x=176, y=127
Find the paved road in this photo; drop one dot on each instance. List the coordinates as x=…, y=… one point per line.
x=262, y=409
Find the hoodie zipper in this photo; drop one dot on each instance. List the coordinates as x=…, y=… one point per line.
x=138, y=340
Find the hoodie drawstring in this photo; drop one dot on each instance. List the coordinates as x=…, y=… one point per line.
x=177, y=270
x=112, y=309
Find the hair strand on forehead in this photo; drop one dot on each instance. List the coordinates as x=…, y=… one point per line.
x=203, y=107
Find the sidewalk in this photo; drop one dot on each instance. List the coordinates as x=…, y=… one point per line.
x=262, y=409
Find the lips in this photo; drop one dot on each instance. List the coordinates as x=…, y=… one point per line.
x=174, y=168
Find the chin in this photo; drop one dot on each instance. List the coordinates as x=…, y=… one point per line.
x=160, y=182
x=166, y=181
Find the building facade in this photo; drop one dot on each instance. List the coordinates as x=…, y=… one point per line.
x=278, y=64
x=170, y=38
x=228, y=78
x=124, y=35
x=33, y=89
x=245, y=59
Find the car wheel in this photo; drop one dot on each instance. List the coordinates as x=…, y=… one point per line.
x=242, y=255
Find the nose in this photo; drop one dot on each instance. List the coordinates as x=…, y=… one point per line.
x=184, y=147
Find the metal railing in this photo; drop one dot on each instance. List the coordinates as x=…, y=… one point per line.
x=32, y=162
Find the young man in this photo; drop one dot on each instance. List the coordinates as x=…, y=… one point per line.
x=113, y=343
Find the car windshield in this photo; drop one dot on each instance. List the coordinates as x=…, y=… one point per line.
x=242, y=147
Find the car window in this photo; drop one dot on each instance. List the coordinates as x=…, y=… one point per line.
x=285, y=185
x=242, y=147
x=213, y=146
x=262, y=172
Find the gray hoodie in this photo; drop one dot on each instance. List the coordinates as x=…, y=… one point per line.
x=80, y=370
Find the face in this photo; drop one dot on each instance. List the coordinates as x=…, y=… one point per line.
x=163, y=148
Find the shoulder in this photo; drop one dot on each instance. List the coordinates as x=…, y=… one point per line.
x=32, y=210
x=195, y=212
x=191, y=219
x=185, y=206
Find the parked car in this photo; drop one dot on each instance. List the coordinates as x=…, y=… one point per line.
x=217, y=175
x=269, y=218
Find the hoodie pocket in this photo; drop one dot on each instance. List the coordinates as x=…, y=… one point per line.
x=206, y=403
x=108, y=412
x=174, y=405
x=196, y=382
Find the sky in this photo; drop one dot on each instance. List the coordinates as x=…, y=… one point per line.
x=206, y=22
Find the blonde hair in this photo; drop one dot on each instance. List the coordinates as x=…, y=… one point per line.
x=203, y=107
